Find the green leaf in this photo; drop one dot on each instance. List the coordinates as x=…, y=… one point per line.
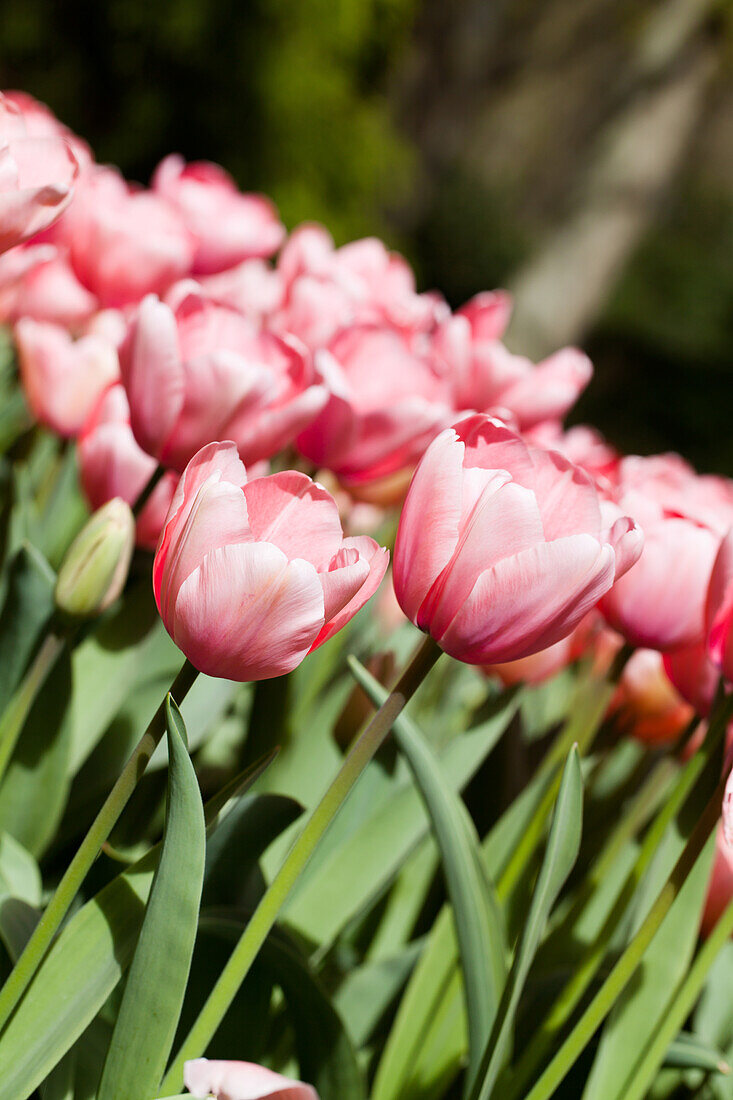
x=689, y=1052
x=562, y=850
x=81, y=970
x=27, y=609
x=151, y=1005
x=358, y=870
x=35, y=787
x=19, y=873
x=476, y=912
x=367, y=991
x=240, y=840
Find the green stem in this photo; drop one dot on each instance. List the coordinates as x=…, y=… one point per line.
x=295, y=862
x=625, y=968
x=88, y=851
x=148, y=490
x=546, y=1036
x=25, y=695
x=687, y=993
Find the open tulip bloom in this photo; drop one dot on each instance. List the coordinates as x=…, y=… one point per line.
x=241, y=1081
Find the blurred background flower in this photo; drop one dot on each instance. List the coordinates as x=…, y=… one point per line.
x=580, y=155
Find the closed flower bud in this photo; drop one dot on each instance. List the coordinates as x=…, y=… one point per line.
x=94, y=570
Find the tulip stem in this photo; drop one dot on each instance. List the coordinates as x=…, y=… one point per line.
x=76, y=872
x=628, y=962
x=147, y=491
x=265, y=915
x=25, y=695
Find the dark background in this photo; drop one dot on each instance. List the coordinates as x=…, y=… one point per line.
x=579, y=153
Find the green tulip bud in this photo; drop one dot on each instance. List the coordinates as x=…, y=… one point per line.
x=94, y=570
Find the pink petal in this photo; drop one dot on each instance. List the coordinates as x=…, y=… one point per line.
x=297, y=515
x=153, y=374
x=504, y=522
x=262, y=433
x=241, y=1081
x=719, y=607
x=530, y=601
x=247, y=613
x=429, y=525
x=376, y=558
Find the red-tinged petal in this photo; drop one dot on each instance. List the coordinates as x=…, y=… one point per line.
x=247, y=613
x=719, y=608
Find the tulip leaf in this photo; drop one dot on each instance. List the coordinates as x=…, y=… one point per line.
x=27, y=609
x=367, y=991
x=341, y=884
x=20, y=876
x=478, y=920
x=688, y=1051
x=82, y=968
x=563, y=845
x=34, y=789
x=151, y=1005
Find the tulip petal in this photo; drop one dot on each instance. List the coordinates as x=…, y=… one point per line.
x=530, y=601
x=377, y=559
x=247, y=613
x=153, y=375
x=297, y=515
x=719, y=608
x=430, y=522
x=241, y=1081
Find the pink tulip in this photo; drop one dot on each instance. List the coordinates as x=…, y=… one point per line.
x=36, y=178
x=661, y=603
x=502, y=547
x=124, y=242
x=228, y=226
x=646, y=704
x=387, y=403
x=719, y=609
x=47, y=290
x=546, y=663
x=720, y=889
x=486, y=374
x=111, y=464
x=196, y=371
x=40, y=122
x=63, y=378
x=241, y=1081
x=327, y=289
x=250, y=576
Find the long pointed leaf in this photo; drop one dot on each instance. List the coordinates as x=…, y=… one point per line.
x=151, y=1005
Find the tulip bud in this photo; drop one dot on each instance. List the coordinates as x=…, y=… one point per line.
x=94, y=570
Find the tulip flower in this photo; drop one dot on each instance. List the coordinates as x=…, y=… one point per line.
x=249, y=576
x=546, y=663
x=95, y=567
x=63, y=378
x=660, y=604
x=227, y=226
x=327, y=289
x=646, y=704
x=36, y=178
x=387, y=403
x=486, y=374
x=252, y=288
x=694, y=676
x=111, y=464
x=502, y=548
x=584, y=446
x=40, y=122
x=197, y=371
x=124, y=242
x=241, y=1081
